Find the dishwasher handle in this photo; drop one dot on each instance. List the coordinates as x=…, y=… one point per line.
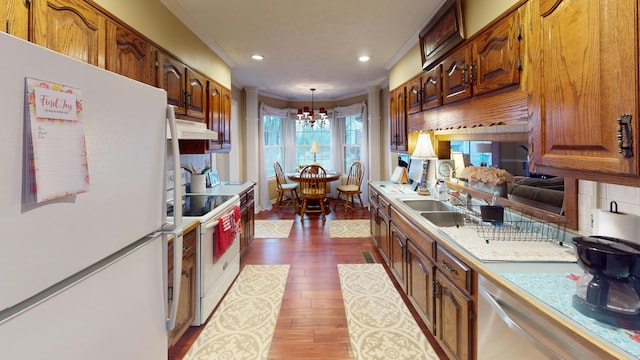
x=502, y=310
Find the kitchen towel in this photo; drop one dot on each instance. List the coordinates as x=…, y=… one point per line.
x=228, y=227
x=616, y=224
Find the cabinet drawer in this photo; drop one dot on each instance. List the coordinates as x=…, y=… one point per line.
x=454, y=269
x=383, y=204
x=420, y=239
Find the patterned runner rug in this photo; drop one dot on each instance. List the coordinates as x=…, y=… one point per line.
x=380, y=325
x=272, y=229
x=349, y=228
x=243, y=325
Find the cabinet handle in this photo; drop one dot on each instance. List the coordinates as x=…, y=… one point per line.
x=221, y=136
x=170, y=293
x=188, y=100
x=449, y=267
x=186, y=248
x=625, y=139
x=8, y=26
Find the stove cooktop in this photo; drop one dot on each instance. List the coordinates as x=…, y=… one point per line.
x=199, y=205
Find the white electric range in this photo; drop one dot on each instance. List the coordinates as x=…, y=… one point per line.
x=214, y=274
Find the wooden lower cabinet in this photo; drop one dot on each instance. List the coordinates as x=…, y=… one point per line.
x=186, y=307
x=453, y=309
x=397, y=261
x=420, y=280
x=247, y=213
x=384, y=240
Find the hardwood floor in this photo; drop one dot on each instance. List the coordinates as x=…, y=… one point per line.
x=312, y=322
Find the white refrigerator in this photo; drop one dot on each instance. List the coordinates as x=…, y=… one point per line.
x=84, y=276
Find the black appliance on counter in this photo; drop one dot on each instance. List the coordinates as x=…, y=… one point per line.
x=609, y=290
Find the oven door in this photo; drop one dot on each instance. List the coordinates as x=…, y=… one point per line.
x=215, y=275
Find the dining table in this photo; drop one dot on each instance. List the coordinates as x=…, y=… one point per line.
x=332, y=175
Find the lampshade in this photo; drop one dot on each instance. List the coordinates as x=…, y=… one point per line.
x=314, y=147
x=424, y=148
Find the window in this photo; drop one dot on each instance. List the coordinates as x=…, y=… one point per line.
x=305, y=135
x=273, y=147
x=352, y=139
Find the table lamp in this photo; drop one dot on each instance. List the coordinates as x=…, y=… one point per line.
x=483, y=149
x=314, y=149
x=424, y=151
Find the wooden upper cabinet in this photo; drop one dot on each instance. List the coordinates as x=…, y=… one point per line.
x=496, y=55
x=414, y=95
x=398, y=120
x=171, y=78
x=15, y=18
x=129, y=54
x=213, y=112
x=196, y=94
x=70, y=27
x=225, y=119
x=456, y=76
x=432, y=88
x=581, y=83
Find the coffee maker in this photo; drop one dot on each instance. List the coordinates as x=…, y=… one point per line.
x=609, y=289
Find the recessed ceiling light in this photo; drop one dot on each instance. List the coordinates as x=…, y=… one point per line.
x=363, y=58
x=257, y=57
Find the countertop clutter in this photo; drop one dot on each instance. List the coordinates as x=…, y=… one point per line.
x=545, y=285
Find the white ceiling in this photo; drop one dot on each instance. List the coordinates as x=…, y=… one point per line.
x=307, y=43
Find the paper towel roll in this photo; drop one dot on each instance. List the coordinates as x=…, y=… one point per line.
x=616, y=224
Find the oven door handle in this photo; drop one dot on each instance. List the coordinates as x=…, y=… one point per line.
x=211, y=225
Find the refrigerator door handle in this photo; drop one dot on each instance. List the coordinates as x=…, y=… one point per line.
x=174, y=229
x=174, y=295
x=175, y=154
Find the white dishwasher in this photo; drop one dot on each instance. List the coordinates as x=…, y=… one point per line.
x=508, y=330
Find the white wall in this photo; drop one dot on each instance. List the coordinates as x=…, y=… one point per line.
x=593, y=195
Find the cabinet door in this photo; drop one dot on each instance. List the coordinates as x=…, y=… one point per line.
x=196, y=94
x=398, y=120
x=187, y=300
x=15, y=18
x=129, y=54
x=420, y=278
x=456, y=76
x=453, y=320
x=171, y=77
x=496, y=56
x=383, y=237
x=213, y=112
x=582, y=83
x=70, y=27
x=432, y=88
x=397, y=258
x=225, y=119
x=414, y=95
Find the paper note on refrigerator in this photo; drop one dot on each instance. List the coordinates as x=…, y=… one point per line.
x=56, y=149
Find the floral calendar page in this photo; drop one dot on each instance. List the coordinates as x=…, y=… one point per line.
x=56, y=149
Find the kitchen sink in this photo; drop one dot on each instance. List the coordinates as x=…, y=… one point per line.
x=427, y=205
x=443, y=218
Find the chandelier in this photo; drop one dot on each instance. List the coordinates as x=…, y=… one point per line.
x=307, y=117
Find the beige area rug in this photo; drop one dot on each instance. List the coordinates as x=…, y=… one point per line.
x=349, y=228
x=243, y=325
x=268, y=229
x=380, y=325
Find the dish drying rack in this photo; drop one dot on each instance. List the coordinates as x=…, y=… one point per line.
x=515, y=226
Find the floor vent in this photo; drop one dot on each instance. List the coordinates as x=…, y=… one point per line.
x=368, y=258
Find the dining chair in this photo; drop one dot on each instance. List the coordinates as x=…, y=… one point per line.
x=313, y=189
x=349, y=190
x=283, y=187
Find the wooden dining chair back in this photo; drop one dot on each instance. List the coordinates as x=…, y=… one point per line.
x=313, y=190
x=283, y=188
x=352, y=188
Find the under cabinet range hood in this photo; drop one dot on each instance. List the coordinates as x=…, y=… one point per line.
x=191, y=130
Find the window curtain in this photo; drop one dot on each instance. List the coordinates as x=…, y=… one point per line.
x=337, y=142
x=288, y=142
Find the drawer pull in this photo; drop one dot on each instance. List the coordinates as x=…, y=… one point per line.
x=449, y=267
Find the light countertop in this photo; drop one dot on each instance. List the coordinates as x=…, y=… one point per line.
x=517, y=278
